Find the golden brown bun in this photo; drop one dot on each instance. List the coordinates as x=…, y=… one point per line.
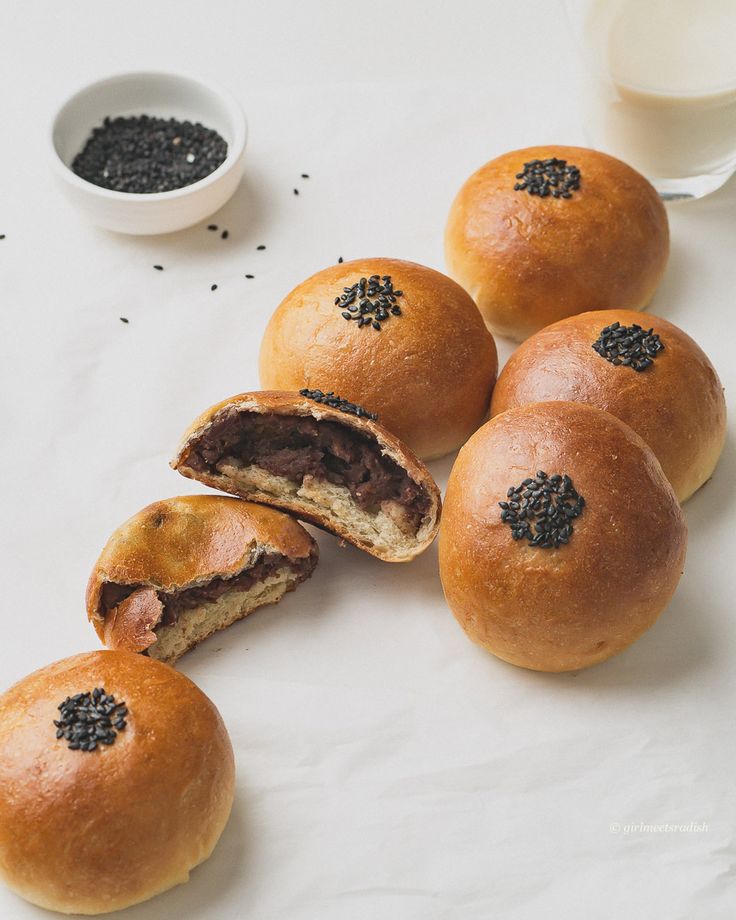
x=570, y=607
x=529, y=261
x=180, y=543
x=386, y=543
x=428, y=374
x=676, y=404
x=95, y=831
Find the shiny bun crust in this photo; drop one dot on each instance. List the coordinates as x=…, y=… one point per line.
x=676, y=404
x=529, y=261
x=565, y=608
x=183, y=542
x=428, y=373
x=96, y=831
x=329, y=511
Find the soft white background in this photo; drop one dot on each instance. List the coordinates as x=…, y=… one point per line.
x=387, y=768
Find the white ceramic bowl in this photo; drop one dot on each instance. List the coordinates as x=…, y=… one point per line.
x=164, y=95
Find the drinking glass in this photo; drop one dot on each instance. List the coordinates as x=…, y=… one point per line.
x=659, y=88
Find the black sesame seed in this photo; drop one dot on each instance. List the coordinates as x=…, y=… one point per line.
x=296, y=191
x=337, y=402
x=88, y=718
x=124, y=319
x=628, y=346
x=340, y=260
x=159, y=268
x=542, y=515
x=548, y=177
x=141, y=154
x=213, y=287
x=305, y=175
x=212, y=226
x=260, y=247
x=376, y=297
x=225, y=234
x=2, y=236
x=250, y=276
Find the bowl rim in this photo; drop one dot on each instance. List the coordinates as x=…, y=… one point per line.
x=234, y=152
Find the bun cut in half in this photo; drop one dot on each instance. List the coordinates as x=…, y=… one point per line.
x=561, y=541
x=640, y=368
x=116, y=780
x=183, y=568
x=324, y=459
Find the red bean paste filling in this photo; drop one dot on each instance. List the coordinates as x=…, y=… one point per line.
x=176, y=602
x=294, y=447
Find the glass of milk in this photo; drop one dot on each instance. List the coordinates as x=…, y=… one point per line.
x=659, y=88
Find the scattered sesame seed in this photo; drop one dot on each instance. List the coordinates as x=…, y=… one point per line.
x=225, y=234
x=296, y=191
x=159, y=268
x=213, y=287
x=340, y=260
x=305, y=175
x=260, y=247
x=212, y=226
x=337, y=402
x=124, y=319
x=250, y=276
x=628, y=346
x=2, y=236
x=549, y=504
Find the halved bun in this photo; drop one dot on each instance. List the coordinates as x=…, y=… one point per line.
x=183, y=568
x=342, y=471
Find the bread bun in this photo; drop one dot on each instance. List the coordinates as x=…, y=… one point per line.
x=91, y=831
x=183, y=568
x=607, y=565
x=675, y=403
x=529, y=260
x=321, y=458
x=428, y=372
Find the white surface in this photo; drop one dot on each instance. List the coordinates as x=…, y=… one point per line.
x=162, y=95
x=387, y=768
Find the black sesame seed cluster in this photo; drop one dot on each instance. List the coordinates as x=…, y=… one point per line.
x=337, y=402
x=548, y=177
x=542, y=510
x=628, y=346
x=89, y=719
x=142, y=154
x=370, y=301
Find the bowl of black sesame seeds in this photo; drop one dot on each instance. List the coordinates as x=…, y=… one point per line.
x=148, y=152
